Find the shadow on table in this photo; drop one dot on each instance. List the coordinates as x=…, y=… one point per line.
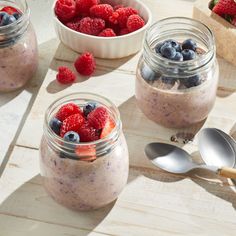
x=41, y=214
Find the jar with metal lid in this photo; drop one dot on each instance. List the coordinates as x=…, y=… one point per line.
x=18, y=48
x=177, y=93
x=86, y=175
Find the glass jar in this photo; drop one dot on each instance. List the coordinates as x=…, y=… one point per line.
x=18, y=49
x=171, y=93
x=69, y=177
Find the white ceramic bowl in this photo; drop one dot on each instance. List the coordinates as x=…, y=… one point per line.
x=113, y=47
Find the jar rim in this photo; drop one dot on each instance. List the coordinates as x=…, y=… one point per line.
x=65, y=99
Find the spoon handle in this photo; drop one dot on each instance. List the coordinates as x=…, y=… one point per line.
x=227, y=172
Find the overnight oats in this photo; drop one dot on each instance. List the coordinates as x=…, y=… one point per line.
x=177, y=74
x=84, y=158
x=18, y=45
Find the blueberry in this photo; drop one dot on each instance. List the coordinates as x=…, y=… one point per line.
x=192, y=81
x=174, y=44
x=89, y=107
x=158, y=47
x=4, y=19
x=17, y=15
x=55, y=125
x=72, y=137
x=168, y=51
x=148, y=74
x=189, y=44
x=168, y=80
x=11, y=19
x=188, y=54
x=178, y=57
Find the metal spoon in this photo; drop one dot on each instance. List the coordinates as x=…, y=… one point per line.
x=176, y=160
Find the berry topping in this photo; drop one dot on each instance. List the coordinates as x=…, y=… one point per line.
x=168, y=80
x=91, y=26
x=74, y=25
x=88, y=133
x=134, y=23
x=188, y=54
x=55, y=125
x=168, y=51
x=71, y=136
x=10, y=10
x=85, y=64
x=192, y=81
x=98, y=117
x=17, y=15
x=88, y=108
x=148, y=74
x=71, y=123
x=189, y=44
x=158, y=47
x=225, y=7
x=68, y=110
x=103, y=11
x=175, y=45
x=110, y=125
x=65, y=10
x=178, y=57
x=83, y=6
x=6, y=19
x=86, y=153
x=65, y=75
x=107, y=33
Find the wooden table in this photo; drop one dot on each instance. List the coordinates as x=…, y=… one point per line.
x=154, y=202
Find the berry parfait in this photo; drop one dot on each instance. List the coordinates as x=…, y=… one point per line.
x=177, y=74
x=84, y=158
x=18, y=45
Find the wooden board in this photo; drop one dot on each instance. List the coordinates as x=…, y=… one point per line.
x=225, y=33
x=153, y=202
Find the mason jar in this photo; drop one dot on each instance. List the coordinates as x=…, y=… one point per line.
x=87, y=175
x=18, y=49
x=171, y=93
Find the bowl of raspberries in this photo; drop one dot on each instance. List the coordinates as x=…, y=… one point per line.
x=107, y=28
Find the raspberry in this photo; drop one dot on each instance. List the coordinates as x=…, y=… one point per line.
x=91, y=26
x=98, y=117
x=83, y=6
x=120, y=16
x=103, y=11
x=65, y=75
x=124, y=31
x=85, y=64
x=87, y=133
x=107, y=33
x=65, y=10
x=74, y=25
x=68, y=110
x=71, y=123
x=9, y=10
x=135, y=22
x=117, y=7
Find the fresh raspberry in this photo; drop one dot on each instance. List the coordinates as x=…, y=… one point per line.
x=71, y=123
x=83, y=6
x=65, y=75
x=134, y=23
x=117, y=7
x=114, y=27
x=107, y=33
x=110, y=125
x=10, y=10
x=68, y=110
x=65, y=10
x=87, y=133
x=91, y=26
x=85, y=64
x=120, y=16
x=74, y=24
x=124, y=31
x=103, y=11
x=98, y=117
x=225, y=7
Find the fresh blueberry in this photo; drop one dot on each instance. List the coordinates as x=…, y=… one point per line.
x=89, y=107
x=168, y=80
x=168, y=51
x=55, y=125
x=188, y=54
x=178, y=57
x=4, y=19
x=174, y=44
x=192, y=81
x=11, y=19
x=189, y=44
x=148, y=74
x=158, y=47
x=17, y=15
x=72, y=137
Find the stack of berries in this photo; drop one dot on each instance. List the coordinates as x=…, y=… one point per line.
x=103, y=20
x=225, y=9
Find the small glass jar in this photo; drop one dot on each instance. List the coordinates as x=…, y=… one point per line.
x=18, y=49
x=177, y=94
x=68, y=176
